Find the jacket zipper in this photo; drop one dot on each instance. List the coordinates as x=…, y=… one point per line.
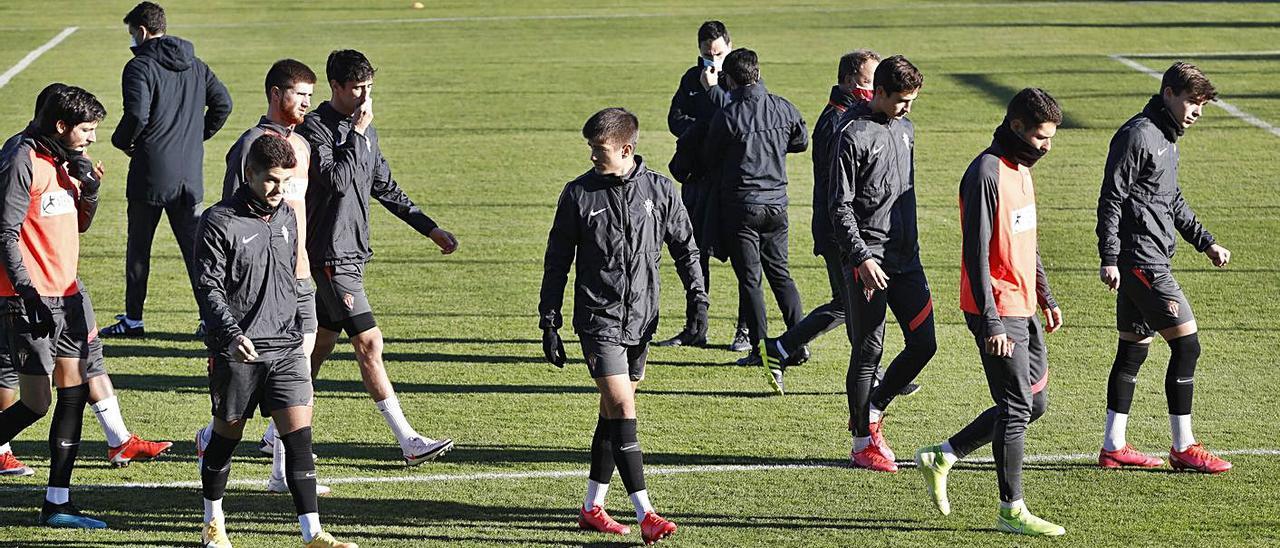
x=626, y=256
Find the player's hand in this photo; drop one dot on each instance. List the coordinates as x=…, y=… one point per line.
x=710, y=78
x=444, y=239
x=553, y=347
x=999, y=345
x=872, y=276
x=1218, y=255
x=363, y=116
x=85, y=171
x=1052, y=319
x=242, y=349
x=1110, y=276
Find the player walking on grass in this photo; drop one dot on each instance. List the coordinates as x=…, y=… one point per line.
x=123, y=446
x=246, y=259
x=42, y=210
x=347, y=170
x=613, y=220
x=1002, y=282
x=289, y=85
x=873, y=216
x=1141, y=213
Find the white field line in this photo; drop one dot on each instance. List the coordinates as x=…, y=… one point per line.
x=1230, y=108
x=555, y=474
x=592, y=16
x=35, y=54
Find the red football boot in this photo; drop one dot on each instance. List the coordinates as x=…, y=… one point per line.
x=137, y=449
x=655, y=528
x=11, y=466
x=871, y=458
x=1127, y=456
x=596, y=519
x=1197, y=459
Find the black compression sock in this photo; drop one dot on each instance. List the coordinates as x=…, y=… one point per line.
x=301, y=469
x=216, y=467
x=64, y=433
x=1179, y=380
x=15, y=419
x=1124, y=375
x=601, y=453
x=627, y=454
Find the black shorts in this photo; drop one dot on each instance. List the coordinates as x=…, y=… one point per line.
x=69, y=337
x=307, y=320
x=97, y=363
x=236, y=388
x=341, y=303
x=605, y=359
x=1149, y=301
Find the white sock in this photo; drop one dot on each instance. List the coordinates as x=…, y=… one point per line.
x=270, y=435
x=860, y=443
x=58, y=495
x=595, y=494
x=213, y=511
x=134, y=323
x=390, y=409
x=310, y=524
x=108, y=412
x=1117, y=423
x=1011, y=505
x=949, y=453
x=5, y=449
x=640, y=499
x=277, y=459
x=1180, y=425
x=873, y=414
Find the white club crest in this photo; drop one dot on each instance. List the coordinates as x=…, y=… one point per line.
x=906, y=140
x=648, y=207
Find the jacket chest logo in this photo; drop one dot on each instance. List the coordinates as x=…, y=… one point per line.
x=906, y=140
x=56, y=202
x=284, y=232
x=648, y=207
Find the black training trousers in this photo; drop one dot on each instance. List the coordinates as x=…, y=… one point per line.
x=143, y=220
x=756, y=236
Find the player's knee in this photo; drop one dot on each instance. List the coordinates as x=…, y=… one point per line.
x=925, y=346
x=367, y=345
x=1186, y=348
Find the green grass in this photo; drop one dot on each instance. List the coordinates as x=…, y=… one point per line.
x=480, y=121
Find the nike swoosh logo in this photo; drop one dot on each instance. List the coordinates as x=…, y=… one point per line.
x=65, y=444
x=1185, y=381
x=311, y=474
x=247, y=240
x=877, y=150
x=597, y=212
x=630, y=447
x=1161, y=152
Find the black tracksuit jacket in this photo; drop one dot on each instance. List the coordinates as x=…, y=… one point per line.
x=172, y=104
x=1141, y=211
x=872, y=191
x=614, y=228
x=824, y=137
x=747, y=144
x=692, y=103
x=245, y=284
x=347, y=169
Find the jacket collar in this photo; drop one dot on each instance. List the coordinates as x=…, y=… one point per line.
x=266, y=123
x=840, y=100
x=749, y=92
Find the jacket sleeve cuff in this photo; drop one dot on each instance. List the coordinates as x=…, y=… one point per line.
x=1109, y=260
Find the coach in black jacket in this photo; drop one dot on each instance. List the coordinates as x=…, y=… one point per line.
x=747, y=144
x=701, y=93
x=172, y=104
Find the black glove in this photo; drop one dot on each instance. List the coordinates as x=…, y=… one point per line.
x=81, y=167
x=36, y=314
x=698, y=321
x=553, y=347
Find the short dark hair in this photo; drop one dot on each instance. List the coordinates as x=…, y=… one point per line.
x=743, y=66
x=1034, y=106
x=287, y=72
x=70, y=105
x=44, y=95
x=896, y=74
x=851, y=63
x=711, y=30
x=146, y=14
x=612, y=125
x=270, y=151
x=348, y=65
x=1183, y=76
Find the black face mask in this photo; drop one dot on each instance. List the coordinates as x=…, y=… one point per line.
x=1015, y=147
x=1163, y=119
